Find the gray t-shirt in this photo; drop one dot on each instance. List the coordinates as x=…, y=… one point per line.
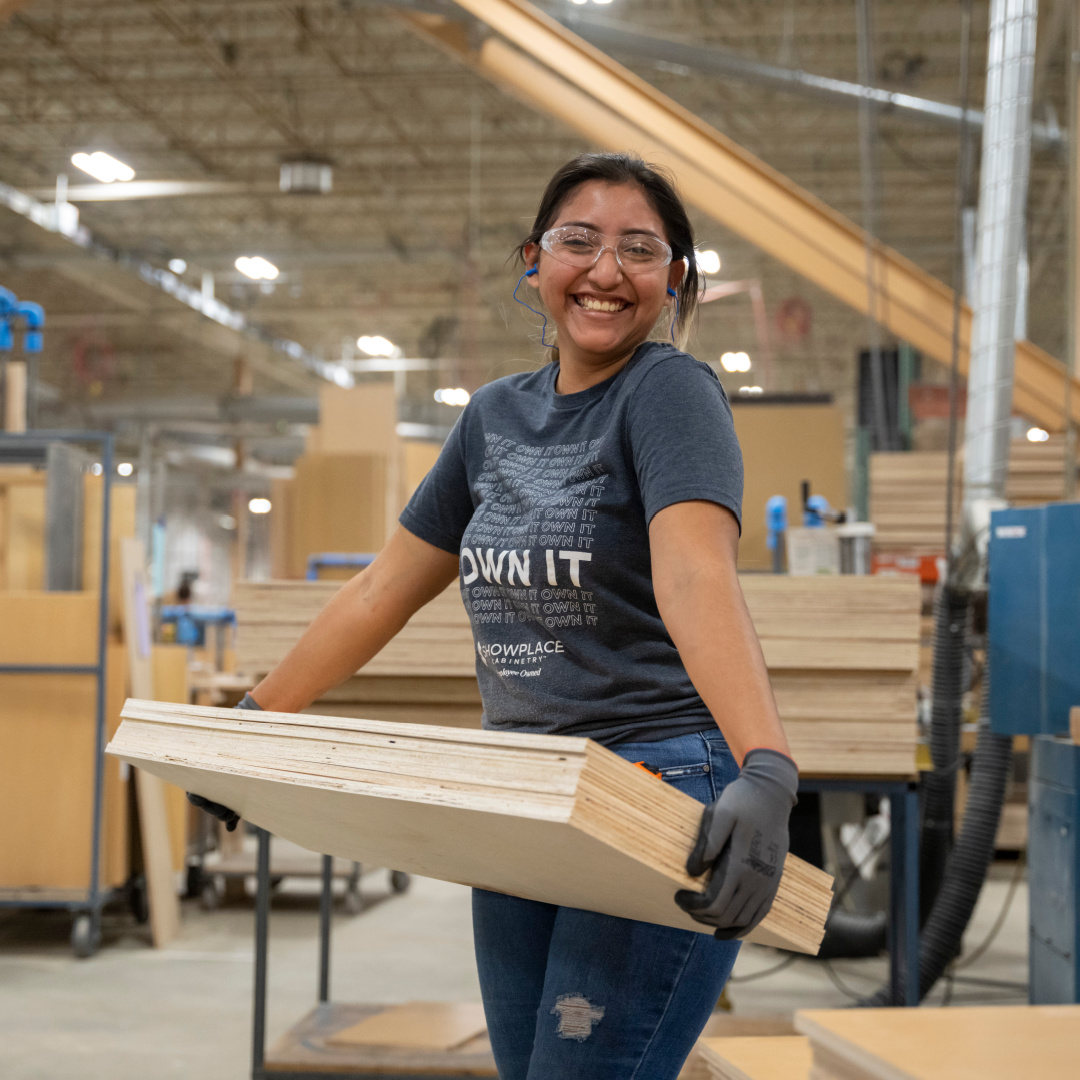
x=547, y=499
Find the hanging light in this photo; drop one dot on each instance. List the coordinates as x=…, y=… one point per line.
x=456, y=396
x=125, y=468
x=103, y=167
x=376, y=346
x=1036, y=434
x=256, y=267
x=259, y=506
x=735, y=361
x=708, y=261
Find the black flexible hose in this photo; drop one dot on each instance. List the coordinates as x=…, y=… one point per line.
x=939, y=785
x=939, y=942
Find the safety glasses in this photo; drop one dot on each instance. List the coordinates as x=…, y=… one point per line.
x=578, y=246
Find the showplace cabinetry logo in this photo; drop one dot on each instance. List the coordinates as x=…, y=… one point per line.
x=517, y=659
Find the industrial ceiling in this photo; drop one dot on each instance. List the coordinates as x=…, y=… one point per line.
x=436, y=174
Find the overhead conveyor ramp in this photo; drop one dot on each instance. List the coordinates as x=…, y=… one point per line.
x=549, y=67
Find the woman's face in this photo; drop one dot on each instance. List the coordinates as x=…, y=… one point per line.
x=603, y=312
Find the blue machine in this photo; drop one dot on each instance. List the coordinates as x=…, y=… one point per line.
x=1034, y=657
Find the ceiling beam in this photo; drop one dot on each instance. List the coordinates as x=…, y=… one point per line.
x=557, y=72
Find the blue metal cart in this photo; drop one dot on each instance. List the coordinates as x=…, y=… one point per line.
x=85, y=906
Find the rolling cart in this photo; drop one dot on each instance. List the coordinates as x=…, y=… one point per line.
x=84, y=904
x=304, y=1052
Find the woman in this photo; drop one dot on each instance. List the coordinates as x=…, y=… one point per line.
x=591, y=510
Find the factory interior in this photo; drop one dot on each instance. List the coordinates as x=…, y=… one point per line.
x=264, y=302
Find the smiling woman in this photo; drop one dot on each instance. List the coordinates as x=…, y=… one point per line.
x=612, y=248
x=590, y=512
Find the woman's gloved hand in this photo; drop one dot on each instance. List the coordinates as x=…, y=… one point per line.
x=744, y=838
x=230, y=817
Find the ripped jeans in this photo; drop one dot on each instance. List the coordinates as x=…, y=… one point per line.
x=574, y=995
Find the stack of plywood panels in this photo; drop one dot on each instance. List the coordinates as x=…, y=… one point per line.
x=271, y=616
x=908, y=491
x=908, y=500
x=1036, y=471
x=990, y=1043
x=842, y=654
x=558, y=820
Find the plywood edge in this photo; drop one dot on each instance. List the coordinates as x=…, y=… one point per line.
x=658, y=825
x=814, y=1025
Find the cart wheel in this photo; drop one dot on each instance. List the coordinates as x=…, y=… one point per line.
x=354, y=903
x=193, y=886
x=399, y=881
x=138, y=900
x=85, y=935
x=210, y=897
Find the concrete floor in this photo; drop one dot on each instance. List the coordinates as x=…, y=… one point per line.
x=185, y=1012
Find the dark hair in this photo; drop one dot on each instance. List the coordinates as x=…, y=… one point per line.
x=658, y=186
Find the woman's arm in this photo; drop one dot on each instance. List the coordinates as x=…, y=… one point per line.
x=360, y=619
x=694, y=548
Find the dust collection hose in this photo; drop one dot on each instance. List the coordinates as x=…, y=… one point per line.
x=946, y=717
x=939, y=942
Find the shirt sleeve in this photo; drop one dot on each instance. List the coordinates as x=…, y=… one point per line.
x=682, y=438
x=442, y=506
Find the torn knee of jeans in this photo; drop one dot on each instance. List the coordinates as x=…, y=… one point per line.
x=577, y=1016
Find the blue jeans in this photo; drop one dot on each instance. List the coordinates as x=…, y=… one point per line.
x=574, y=995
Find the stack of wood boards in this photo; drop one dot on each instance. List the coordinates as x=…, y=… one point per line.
x=271, y=616
x=1036, y=471
x=908, y=491
x=988, y=1043
x=908, y=500
x=555, y=819
x=842, y=654
x=750, y=1057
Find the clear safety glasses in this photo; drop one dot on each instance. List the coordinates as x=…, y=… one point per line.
x=578, y=246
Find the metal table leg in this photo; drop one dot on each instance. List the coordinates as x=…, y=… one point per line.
x=262, y=931
x=904, y=897
x=326, y=900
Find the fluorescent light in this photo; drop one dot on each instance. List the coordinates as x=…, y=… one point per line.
x=708, y=261
x=103, y=167
x=376, y=346
x=256, y=267
x=1036, y=434
x=452, y=396
x=125, y=468
x=735, y=361
x=259, y=506
x=177, y=266
x=751, y=390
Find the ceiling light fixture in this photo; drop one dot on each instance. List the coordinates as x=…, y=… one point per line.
x=103, y=167
x=125, y=468
x=1036, y=434
x=751, y=390
x=177, y=266
x=376, y=346
x=259, y=506
x=256, y=267
x=735, y=361
x=708, y=261
x=452, y=396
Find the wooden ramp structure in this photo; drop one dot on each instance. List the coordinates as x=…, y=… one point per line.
x=555, y=71
x=556, y=819
x=842, y=653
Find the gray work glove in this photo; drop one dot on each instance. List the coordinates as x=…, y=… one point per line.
x=744, y=838
x=230, y=817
